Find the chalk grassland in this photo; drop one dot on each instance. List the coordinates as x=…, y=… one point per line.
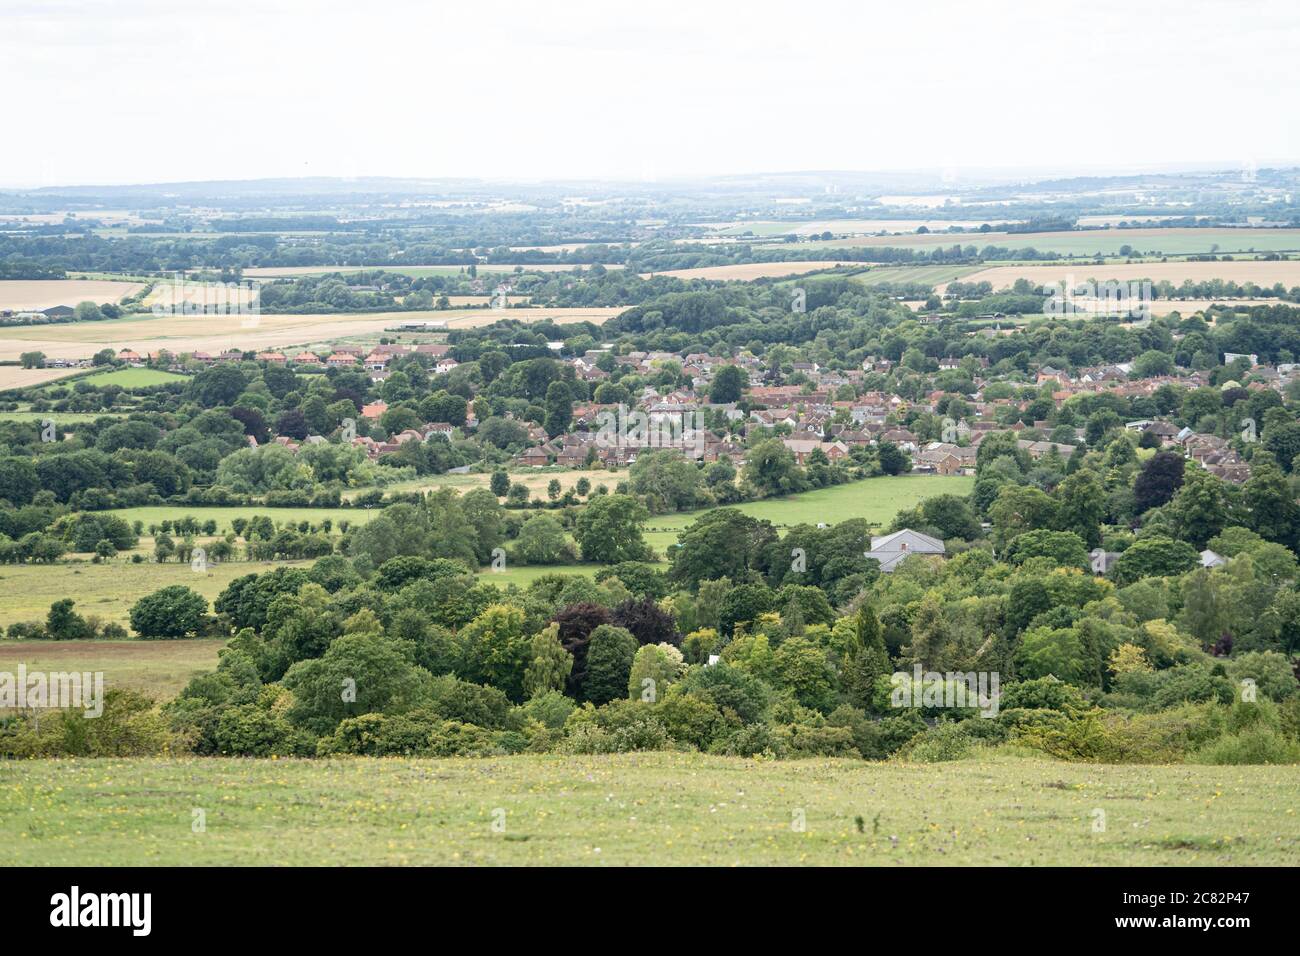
x=746, y=271
x=1263, y=274
x=417, y=272
x=215, y=333
x=649, y=809
x=157, y=669
x=23, y=294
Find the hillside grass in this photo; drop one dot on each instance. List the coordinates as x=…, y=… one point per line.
x=651, y=809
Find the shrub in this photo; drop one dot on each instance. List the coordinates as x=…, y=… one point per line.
x=174, y=611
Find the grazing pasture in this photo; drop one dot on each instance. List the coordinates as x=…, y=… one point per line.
x=109, y=589
x=655, y=809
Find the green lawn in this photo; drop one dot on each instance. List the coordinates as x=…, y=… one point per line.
x=159, y=669
x=649, y=809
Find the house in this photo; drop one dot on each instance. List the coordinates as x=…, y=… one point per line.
x=306, y=358
x=532, y=457
x=1211, y=560
x=341, y=360
x=1102, y=561
x=275, y=358
x=891, y=549
x=374, y=409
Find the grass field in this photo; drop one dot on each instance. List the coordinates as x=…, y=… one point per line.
x=107, y=590
x=875, y=499
x=134, y=378
x=643, y=809
x=746, y=271
x=159, y=669
x=925, y=275
x=1095, y=242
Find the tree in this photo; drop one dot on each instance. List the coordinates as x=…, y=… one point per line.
x=494, y=650
x=1065, y=548
x=647, y=621
x=64, y=624
x=893, y=460
x=217, y=385
x=500, y=483
x=728, y=385
x=1199, y=509
x=866, y=659
x=654, y=668
x=541, y=540
x=771, y=469
x=724, y=542
x=550, y=666
x=1159, y=479
x=608, y=530
x=609, y=664
x=559, y=409
x=667, y=480
x=174, y=611
x=576, y=623
x=32, y=359
x=1154, y=557
x=362, y=672
x=1082, y=507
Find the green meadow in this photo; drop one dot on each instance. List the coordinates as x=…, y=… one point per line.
x=643, y=809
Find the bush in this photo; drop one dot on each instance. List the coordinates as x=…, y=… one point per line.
x=173, y=611
x=1255, y=745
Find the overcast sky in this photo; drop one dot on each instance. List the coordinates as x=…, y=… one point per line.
x=135, y=91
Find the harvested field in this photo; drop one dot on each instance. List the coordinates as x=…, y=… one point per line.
x=12, y=376
x=24, y=294
x=1261, y=273
x=214, y=333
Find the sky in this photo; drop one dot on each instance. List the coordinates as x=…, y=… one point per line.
x=144, y=91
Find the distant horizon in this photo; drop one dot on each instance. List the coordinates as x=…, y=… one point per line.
x=971, y=177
